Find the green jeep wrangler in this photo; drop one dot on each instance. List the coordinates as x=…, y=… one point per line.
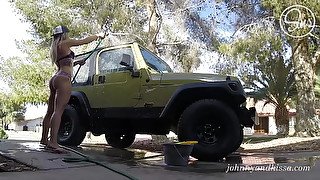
x=126, y=90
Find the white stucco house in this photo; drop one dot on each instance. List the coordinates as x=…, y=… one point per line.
x=34, y=124
x=266, y=119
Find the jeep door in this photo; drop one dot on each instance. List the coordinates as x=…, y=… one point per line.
x=114, y=85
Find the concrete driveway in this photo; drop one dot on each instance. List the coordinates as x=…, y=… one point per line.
x=24, y=147
x=296, y=165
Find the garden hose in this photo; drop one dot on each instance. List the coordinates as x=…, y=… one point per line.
x=86, y=58
x=87, y=159
x=105, y=27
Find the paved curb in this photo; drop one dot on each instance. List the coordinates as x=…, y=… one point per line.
x=32, y=154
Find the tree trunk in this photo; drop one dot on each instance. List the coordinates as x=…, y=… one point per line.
x=282, y=120
x=307, y=121
x=155, y=21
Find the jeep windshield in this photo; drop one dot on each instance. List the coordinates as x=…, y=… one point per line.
x=154, y=62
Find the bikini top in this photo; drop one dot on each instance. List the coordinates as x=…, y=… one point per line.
x=66, y=60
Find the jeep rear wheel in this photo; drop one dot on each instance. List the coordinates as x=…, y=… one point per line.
x=120, y=139
x=71, y=131
x=214, y=125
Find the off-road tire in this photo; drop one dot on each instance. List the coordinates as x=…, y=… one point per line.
x=71, y=131
x=238, y=144
x=214, y=125
x=120, y=139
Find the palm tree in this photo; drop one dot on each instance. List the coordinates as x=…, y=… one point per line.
x=274, y=82
x=268, y=70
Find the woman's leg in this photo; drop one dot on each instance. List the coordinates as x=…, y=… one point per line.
x=47, y=117
x=62, y=96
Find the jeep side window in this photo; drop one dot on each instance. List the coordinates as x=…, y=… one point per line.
x=83, y=74
x=109, y=61
x=155, y=62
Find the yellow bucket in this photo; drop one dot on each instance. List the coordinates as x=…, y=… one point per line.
x=188, y=142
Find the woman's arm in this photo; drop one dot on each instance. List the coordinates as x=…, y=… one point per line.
x=75, y=42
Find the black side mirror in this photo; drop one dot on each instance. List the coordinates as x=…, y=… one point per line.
x=126, y=60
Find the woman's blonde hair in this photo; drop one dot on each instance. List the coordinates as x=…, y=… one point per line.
x=54, y=46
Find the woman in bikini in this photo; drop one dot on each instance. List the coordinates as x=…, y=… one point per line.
x=60, y=83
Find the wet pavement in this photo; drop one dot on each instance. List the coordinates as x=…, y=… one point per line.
x=144, y=163
x=134, y=157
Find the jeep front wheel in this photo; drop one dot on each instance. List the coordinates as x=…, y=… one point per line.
x=214, y=125
x=120, y=139
x=71, y=131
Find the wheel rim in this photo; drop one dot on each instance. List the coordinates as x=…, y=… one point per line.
x=210, y=131
x=65, y=129
x=123, y=136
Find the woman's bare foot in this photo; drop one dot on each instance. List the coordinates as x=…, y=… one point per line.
x=52, y=145
x=55, y=148
x=44, y=142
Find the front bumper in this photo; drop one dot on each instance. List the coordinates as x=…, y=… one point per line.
x=248, y=117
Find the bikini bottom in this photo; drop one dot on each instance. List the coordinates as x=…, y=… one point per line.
x=61, y=74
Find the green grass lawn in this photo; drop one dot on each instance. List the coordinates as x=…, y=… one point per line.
x=257, y=139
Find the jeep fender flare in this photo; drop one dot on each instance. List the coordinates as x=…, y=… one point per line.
x=80, y=100
x=229, y=91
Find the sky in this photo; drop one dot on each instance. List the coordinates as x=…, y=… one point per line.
x=13, y=29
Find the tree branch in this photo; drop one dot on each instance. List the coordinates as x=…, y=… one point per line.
x=316, y=57
x=266, y=19
x=296, y=46
x=180, y=9
x=159, y=22
x=170, y=43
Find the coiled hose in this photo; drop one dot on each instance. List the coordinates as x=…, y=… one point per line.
x=88, y=159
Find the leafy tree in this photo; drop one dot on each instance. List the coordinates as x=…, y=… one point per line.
x=306, y=58
x=305, y=51
x=3, y=110
x=3, y=134
x=271, y=76
x=192, y=34
x=28, y=77
x=9, y=110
